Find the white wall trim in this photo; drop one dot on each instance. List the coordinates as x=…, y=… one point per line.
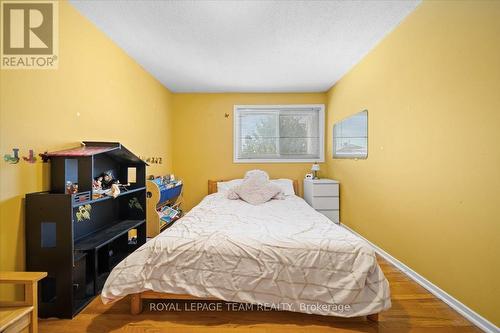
x=455, y=304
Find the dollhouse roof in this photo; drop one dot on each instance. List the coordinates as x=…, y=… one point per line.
x=80, y=151
x=88, y=148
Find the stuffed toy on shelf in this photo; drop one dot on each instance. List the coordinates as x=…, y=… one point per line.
x=105, y=184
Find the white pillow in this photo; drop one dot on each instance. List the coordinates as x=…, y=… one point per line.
x=286, y=185
x=255, y=194
x=226, y=186
x=256, y=189
x=257, y=176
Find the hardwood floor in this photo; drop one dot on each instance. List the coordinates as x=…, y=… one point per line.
x=413, y=310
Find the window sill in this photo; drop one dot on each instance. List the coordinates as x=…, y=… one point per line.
x=254, y=161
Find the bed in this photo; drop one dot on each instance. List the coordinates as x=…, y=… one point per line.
x=281, y=253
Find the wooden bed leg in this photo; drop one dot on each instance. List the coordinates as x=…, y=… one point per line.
x=135, y=304
x=373, y=317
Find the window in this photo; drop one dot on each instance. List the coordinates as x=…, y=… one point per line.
x=350, y=137
x=279, y=133
x=132, y=175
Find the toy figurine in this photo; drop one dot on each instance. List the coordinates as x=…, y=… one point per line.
x=68, y=187
x=97, y=191
x=105, y=185
x=71, y=188
x=107, y=180
x=110, y=184
x=97, y=184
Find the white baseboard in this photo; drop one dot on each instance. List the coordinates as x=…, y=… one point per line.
x=465, y=311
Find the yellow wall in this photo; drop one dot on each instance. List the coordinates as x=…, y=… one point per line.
x=429, y=192
x=116, y=99
x=204, y=139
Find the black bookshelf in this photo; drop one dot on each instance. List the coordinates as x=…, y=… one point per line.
x=79, y=253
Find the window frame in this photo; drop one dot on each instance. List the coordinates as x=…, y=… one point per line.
x=291, y=107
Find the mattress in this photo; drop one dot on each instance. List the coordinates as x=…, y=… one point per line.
x=281, y=254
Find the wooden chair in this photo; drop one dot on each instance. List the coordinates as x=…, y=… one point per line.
x=16, y=316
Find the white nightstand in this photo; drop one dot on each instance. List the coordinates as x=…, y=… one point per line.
x=323, y=195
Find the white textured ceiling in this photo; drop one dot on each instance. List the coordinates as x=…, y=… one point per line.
x=246, y=46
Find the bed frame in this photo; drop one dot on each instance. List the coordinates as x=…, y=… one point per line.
x=212, y=185
x=136, y=299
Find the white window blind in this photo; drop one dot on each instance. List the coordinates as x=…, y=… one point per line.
x=278, y=133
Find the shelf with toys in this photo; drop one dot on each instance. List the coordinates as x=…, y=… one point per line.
x=77, y=203
x=87, y=223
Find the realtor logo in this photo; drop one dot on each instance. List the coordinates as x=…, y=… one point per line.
x=29, y=38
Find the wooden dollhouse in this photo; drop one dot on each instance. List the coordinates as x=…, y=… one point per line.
x=79, y=237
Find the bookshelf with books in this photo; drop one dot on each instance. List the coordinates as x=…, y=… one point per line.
x=163, y=203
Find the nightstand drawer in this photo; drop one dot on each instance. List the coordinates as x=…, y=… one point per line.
x=326, y=190
x=331, y=214
x=325, y=202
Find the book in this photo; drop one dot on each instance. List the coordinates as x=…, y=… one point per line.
x=167, y=214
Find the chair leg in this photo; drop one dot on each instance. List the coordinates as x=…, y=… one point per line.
x=373, y=317
x=135, y=304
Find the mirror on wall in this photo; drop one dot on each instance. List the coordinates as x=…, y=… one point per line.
x=350, y=137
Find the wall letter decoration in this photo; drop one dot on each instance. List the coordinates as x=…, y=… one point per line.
x=31, y=157
x=44, y=157
x=12, y=159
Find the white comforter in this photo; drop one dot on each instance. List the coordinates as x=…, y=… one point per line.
x=281, y=254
